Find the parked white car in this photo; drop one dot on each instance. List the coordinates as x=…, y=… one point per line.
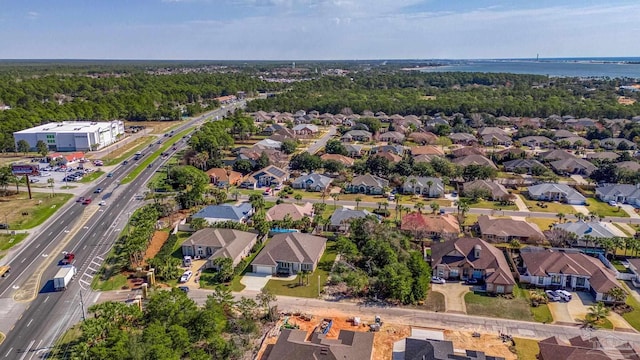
x=437, y=280
x=552, y=295
x=564, y=295
x=613, y=203
x=186, y=276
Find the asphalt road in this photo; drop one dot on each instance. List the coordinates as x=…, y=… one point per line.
x=316, y=146
x=51, y=313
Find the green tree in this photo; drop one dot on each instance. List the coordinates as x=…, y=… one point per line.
x=289, y=146
x=42, y=148
x=243, y=166
x=23, y=146
x=224, y=266
x=334, y=146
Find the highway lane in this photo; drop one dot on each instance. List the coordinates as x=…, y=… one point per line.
x=52, y=312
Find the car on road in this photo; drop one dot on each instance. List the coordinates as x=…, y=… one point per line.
x=125, y=162
x=613, y=203
x=437, y=280
x=186, y=276
x=97, y=191
x=159, y=142
x=80, y=199
x=86, y=201
x=98, y=163
x=391, y=197
x=110, y=175
x=184, y=288
x=102, y=203
x=45, y=174
x=552, y=296
x=34, y=180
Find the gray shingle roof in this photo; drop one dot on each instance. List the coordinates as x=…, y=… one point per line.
x=226, y=211
x=342, y=215
x=314, y=179
x=230, y=243
x=291, y=247
x=570, y=193
x=594, y=229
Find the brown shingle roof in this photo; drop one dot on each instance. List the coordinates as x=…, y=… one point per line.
x=509, y=227
x=578, y=349
x=441, y=224
x=426, y=150
x=344, y=160
x=457, y=252
x=474, y=160
x=297, y=212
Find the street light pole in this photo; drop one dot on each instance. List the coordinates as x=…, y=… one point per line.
x=318, y=285
x=82, y=306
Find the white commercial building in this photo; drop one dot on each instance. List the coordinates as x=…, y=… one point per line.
x=73, y=135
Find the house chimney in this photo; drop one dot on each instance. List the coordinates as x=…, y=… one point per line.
x=476, y=251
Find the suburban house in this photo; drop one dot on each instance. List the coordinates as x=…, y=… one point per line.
x=616, y=143
x=431, y=225
x=305, y=129
x=293, y=344
x=268, y=144
x=602, y=155
x=423, y=137
x=223, y=177
x=567, y=269
x=467, y=150
x=356, y=135
x=628, y=165
x=392, y=137
x=344, y=160
x=424, y=158
x=295, y=211
x=590, y=349
x=225, y=212
x=290, y=253
x=367, y=184
x=496, y=139
x=620, y=193
x=587, y=233
x=341, y=218
x=312, y=182
x=575, y=141
x=474, y=160
x=522, y=165
x=472, y=258
x=392, y=157
x=213, y=243
x=573, y=166
x=421, y=348
x=390, y=148
x=353, y=150
x=559, y=134
x=556, y=192
x=557, y=154
x=270, y=176
x=426, y=150
x=536, y=141
x=498, y=191
x=429, y=186
x=463, y=138
x=504, y=230
x=491, y=130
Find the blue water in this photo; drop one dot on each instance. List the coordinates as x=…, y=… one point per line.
x=563, y=67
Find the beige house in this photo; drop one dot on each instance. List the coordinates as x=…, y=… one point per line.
x=290, y=253
x=503, y=230
x=210, y=243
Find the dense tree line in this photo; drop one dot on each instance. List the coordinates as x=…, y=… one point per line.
x=466, y=93
x=40, y=99
x=172, y=326
x=131, y=247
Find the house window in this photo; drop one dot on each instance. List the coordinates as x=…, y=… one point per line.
x=556, y=279
x=453, y=273
x=580, y=282
x=540, y=280
x=500, y=289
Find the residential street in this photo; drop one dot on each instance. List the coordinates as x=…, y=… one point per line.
x=418, y=318
x=316, y=146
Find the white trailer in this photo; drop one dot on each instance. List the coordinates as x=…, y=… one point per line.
x=63, y=277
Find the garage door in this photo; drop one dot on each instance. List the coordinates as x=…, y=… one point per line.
x=262, y=269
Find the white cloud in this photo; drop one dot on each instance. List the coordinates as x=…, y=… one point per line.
x=32, y=15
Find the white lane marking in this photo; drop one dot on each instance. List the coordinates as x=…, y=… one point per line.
x=26, y=351
x=29, y=323
x=8, y=352
x=23, y=260
x=46, y=299
x=37, y=350
x=51, y=232
x=37, y=246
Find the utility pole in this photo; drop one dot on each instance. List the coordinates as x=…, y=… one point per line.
x=318, y=285
x=82, y=306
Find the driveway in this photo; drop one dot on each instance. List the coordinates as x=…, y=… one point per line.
x=560, y=312
x=254, y=281
x=453, y=296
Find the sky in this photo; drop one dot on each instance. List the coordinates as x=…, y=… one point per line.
x=317, y=29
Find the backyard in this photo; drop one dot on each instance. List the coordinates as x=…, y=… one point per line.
x=292, y=288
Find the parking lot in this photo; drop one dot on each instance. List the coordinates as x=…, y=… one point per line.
x=62, y=176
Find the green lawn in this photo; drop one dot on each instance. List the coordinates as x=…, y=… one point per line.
x=154, y=156
x=518, y=308
x=435, y=302
x=494, y=205
x=291, y=288
x=115, y=282
x=38, y=213
x=142, y=142
x=543, y=223
x=603, y=209
x=63, y=343
x=542, y=314
x=91, y=177
x=623, y=229
x=470, y=219
x=552, y=207
x=526, y=349
x=7, y=241
x=633, y=317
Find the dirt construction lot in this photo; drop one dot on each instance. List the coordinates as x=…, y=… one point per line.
x=157, y=127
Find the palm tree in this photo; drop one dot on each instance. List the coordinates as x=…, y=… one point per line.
x=560, y=217
x=323, y=195
x=335, y=197
x=419, y=206
x=298, y=197
x=413, y=182
x=358, y=199
x=597, y=312
x=434, y=207
x=592, y=215
x=617, y=294
x=235, y=194
x=463, y=207
x=429, y=185
x=51, y=182
x=514, y=244
x=399, y=210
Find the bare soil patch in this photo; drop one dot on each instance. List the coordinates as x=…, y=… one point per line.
x=158, y=239
x=491, y=344
x=623, y=100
